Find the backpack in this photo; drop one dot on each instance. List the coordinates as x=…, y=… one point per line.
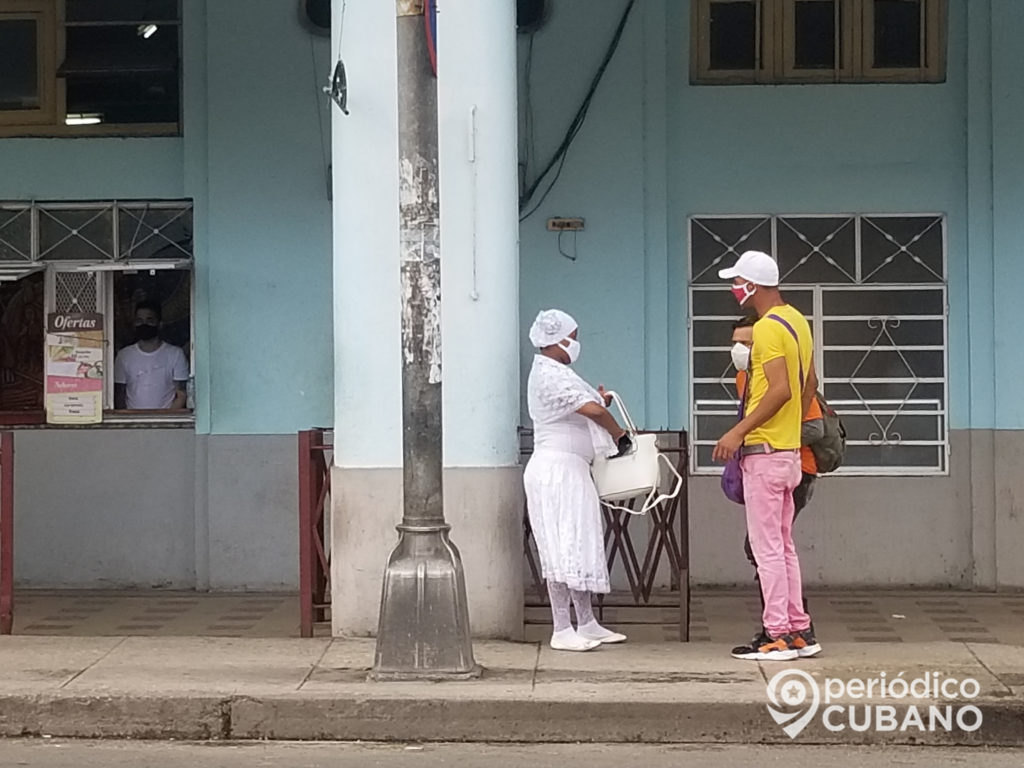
x=830, y=448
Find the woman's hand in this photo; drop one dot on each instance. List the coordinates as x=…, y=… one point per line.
x=604, y=396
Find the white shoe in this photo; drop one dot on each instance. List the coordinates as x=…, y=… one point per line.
x=597, y=633
x=569, y=640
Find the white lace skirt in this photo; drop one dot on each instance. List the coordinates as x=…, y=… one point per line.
x=565, y=515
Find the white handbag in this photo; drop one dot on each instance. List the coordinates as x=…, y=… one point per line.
x=634, y=474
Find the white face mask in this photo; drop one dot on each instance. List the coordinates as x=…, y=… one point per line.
x=572, y=349
x=740, y=356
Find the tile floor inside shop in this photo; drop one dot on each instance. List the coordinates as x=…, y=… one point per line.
x=156, y=614
x=717, y=616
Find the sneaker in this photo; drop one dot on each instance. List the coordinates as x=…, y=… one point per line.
x=594, y=631
x=568, y=640
x=759, y=639
x=766, y=648
x=805, y=644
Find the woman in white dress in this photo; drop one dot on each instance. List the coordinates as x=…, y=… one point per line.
x=571, y=424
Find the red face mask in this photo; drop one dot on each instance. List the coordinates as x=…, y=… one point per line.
x=743, y=293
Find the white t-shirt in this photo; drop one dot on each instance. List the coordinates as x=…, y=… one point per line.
x=149, y=377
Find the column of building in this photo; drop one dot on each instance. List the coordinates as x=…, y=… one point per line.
x=480, y=325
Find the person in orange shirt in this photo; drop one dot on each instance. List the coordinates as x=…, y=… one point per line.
x=743, y=340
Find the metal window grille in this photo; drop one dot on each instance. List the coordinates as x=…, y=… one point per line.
x=16, y=234
x=96, y=232
x=874, y=288
x=76, y=292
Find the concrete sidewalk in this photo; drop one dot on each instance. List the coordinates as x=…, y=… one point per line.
x=242, y=688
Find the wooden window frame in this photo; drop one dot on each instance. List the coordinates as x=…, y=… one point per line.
x=776, y=56
x=933, y=45
x=700, y=47
x=846, y=60
x=52, y=122
x=43, y=13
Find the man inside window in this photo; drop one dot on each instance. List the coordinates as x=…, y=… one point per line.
x=149, y=375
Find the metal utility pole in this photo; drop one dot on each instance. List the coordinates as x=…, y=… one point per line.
x=424, y=618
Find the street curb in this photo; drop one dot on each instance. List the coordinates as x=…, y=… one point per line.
x=455, y=720
x=136, y=717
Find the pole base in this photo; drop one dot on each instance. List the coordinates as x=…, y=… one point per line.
x=424, y=629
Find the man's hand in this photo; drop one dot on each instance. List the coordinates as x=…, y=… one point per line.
x=727, y=447
x=604, y=396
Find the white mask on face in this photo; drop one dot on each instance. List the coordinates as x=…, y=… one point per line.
x=572, y=349
x=740, y=356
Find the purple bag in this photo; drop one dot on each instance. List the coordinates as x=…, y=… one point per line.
x=732, y=477
x=732, y=480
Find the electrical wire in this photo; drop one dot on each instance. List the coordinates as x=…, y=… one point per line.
x=547, y=191
x=573, y=255
x=341, y=28
x=577, y=123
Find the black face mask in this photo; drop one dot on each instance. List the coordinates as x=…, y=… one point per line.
x=146, y=332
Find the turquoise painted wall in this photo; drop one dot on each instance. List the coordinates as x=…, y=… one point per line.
x=602, y=181
x=254, y=160
x=269, y=247
x=727, y=149
x=83, y=169
x=1008, y=212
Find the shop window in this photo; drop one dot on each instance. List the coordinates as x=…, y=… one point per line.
x=874, y=289
x=22, y=319
x=95, y=259
x=90, y=67
x=818, y=41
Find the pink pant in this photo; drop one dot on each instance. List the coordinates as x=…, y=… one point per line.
x=768, y=484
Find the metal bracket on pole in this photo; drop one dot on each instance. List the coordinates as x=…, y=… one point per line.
x=424, y=616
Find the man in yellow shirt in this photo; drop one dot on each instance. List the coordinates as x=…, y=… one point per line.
x=811, y=429
x=781, y=387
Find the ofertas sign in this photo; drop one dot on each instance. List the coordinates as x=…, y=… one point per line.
x=74, y=369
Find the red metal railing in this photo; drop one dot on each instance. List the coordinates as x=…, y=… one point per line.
x=6, y=533
x=315, y=447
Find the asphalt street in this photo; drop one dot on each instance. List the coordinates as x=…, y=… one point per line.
x=53, y=753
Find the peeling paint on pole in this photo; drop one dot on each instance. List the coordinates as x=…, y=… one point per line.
x=420, y=243
x=421, y=316
x=409, y=7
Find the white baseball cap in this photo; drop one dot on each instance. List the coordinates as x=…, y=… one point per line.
x=756, y=266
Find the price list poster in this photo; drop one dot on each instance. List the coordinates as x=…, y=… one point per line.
x=74, y=368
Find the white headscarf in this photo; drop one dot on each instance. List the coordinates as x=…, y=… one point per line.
x=550, y=327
